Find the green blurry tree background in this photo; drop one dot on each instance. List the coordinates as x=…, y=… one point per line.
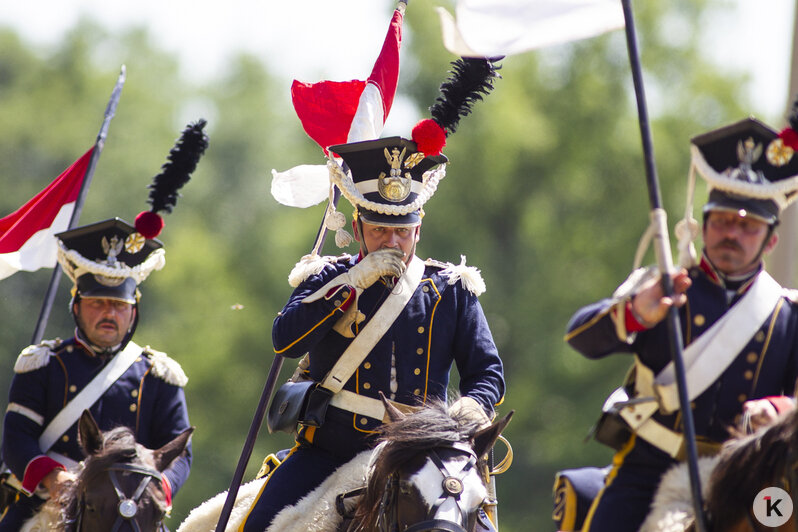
x=545, y=193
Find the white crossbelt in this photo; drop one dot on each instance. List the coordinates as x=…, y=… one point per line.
x=89, y=395
x=377, y=326
x=706, y=358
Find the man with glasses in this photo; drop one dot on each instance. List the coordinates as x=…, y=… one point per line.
x=739, y=326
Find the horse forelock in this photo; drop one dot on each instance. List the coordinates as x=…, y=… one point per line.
x=405, y=442
x=750, y=463
x=119, y=447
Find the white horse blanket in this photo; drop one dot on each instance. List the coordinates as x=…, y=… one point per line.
x=314, y=513
x=672, y=508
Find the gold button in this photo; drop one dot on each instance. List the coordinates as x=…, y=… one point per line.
x=692, y=405
x=699, y=320
x=751, y=357
x=363, y=421
x=65, y=438
x=417, y=371
x=420, y=330
x=345, y=294
x=416, y=392
x=337, y=303
x=742, y=397
x=420, y=351
x=760, y=336
x=694, y=274
x=133, y=407
x=748, y=375
x=134, y=393
x=138, y=359
x=425, y=288
x=73, y=388
x=69, y=349
x=366, y=386
x=367, y=365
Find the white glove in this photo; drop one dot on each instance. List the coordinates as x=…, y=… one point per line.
x=469, y=410
x=382, y=263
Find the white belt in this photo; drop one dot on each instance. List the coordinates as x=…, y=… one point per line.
x=365, y=406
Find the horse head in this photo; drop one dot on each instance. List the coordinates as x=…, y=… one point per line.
x=429, y=472
x=119, y=486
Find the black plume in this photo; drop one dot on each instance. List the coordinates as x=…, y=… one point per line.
x=176, y=171
x=471, y=78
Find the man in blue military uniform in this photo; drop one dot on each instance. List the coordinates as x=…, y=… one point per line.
x=740, y=328
x=426, y=313
x=100, y=368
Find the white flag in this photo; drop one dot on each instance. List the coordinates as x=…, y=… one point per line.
x=491, y=28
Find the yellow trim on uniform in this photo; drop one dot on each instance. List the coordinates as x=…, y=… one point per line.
x=589, y=324
x=617, y=462
x=765, y=344
x=244, y=522
x=289, y=346
x=429, y=335
x=563, y=512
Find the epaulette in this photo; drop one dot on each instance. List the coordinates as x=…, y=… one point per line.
x=791, y=294
x=469, y=276
x=313, y=265
x=36, y=356
x=165, y=368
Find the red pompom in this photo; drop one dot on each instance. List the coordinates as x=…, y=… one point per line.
x=429, y=137
x=149, y=224
x=789, y=137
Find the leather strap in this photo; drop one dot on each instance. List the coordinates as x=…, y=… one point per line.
x=366, y=406
x=379, y=324
x=706, y=358
x=89, y=395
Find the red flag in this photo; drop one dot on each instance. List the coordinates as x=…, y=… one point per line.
x=26, y=236
x=336, y=112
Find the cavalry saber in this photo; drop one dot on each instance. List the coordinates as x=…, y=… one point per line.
x=110, y=111
x=665, y=263
x=263, y=403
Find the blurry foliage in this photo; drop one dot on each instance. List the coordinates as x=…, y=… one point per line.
x=545, y=193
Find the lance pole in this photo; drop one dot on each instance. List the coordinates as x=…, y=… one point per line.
x=110, y=110
x=265, y=396
x=665, y=263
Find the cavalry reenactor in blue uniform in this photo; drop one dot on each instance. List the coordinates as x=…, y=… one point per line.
x=426, y=313
x=106, y=261
x=100, y=368
x=740, y=328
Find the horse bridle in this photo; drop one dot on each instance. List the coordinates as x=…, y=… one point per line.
x=452, y=487
x=128, y=506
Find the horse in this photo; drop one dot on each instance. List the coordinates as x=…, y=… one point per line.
x=427, y=472
x=117, y=487
x=731, y=482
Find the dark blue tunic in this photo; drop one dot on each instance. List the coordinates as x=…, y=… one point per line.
x=766, y=366
x=143, y=399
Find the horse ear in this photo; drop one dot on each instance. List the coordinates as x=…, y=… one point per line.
x=393, y=413
x=166, y=454
x=89, y=436
x=485, y=438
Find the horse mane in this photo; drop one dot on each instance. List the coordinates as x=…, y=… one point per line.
x=402, y=442
x=119, y=446
x=748, y=464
